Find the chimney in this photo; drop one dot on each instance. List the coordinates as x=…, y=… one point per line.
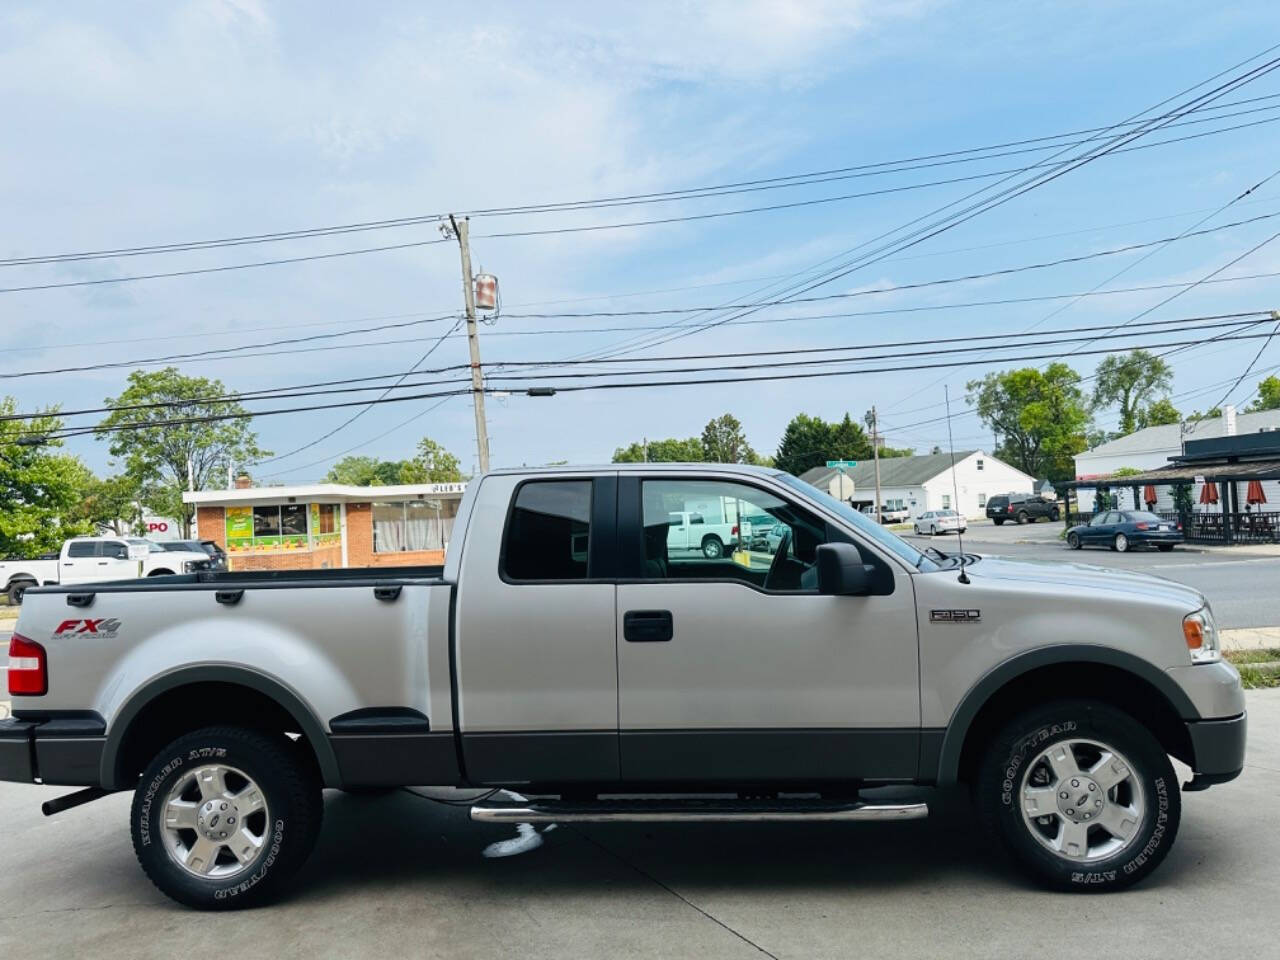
x=1229, y=420
x=243, y=482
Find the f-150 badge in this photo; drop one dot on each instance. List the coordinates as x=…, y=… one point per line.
x=955, y=616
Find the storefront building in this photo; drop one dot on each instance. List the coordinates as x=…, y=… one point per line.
x=328, y=525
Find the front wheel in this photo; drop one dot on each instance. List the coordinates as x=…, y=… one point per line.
x=712, y=548
x=1073, y=541
x=1121, y=543
x=1054, y=516
x=1081, y=795
x=223, y=817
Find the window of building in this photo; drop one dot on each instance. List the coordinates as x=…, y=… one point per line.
x=266, y=522
x=548, y=531
x=979, y=463
x=403, y=525
x=721, y=547
x=946, y=501
x=982, y=500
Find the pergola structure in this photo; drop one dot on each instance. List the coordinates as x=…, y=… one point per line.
x=1224, y=477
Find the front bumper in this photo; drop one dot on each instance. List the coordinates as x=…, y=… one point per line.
x=66, y=751
x=1218, y=748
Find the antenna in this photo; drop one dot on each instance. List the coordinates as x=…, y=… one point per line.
x=955, y=488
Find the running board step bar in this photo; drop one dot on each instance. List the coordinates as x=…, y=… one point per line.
x=695, y=811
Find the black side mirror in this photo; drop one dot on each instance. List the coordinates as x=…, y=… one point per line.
x=841, y=571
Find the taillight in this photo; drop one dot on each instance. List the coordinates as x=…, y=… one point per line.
x=1140, y=526
x=28, y=669
x=1010, y=510
x=734, y=531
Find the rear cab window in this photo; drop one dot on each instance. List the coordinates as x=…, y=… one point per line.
x=548, y=532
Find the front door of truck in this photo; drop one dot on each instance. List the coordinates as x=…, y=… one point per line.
x=536, y=662
x=736, y=669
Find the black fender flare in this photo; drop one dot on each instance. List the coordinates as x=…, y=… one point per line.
x=285, y=698
x=977, y=696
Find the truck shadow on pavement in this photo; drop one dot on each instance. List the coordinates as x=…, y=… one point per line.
x=398, y=839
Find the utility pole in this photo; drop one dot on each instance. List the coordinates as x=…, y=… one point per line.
x=461, y=232
x=875, y=455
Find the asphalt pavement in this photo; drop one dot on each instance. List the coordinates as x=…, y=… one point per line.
x=399, y=876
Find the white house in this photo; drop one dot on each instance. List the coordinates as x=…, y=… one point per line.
x=925, y=482
x=1150, y=449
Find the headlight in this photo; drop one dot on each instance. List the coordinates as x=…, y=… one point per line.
x=191, y=566
x=1202, y=636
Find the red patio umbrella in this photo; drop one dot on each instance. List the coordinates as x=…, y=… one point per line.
x=1149, y=495
x=1255, y=494
x=1209, y=493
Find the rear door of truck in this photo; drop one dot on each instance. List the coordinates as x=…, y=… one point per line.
x=535, y=658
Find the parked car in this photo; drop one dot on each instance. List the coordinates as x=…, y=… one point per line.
x=690, y=532
x=1122, y=529
x=210, y=547
x=940, y=521
x=92, y=559
x=1021, y=508
x=889, y=513
x=563, y=652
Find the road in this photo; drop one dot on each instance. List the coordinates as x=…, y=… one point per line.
x=400, y=876
x=1237, y=585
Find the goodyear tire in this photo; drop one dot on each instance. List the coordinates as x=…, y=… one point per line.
x=224, y=816
x=1124, y=805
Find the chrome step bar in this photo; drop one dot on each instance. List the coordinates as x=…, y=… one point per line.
x=692, y=811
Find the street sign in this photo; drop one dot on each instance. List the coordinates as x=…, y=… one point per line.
x=841, y=464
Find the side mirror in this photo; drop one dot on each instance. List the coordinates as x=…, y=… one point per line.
x=841, y=571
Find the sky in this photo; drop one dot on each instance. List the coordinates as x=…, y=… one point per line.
x=133, y=124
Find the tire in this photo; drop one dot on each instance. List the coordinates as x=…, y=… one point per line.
x=1145, y=802
x=933, y=531
x=1164, y=547
x=1073, y=541
x=1120, y=544
x=17, y=589
x=285, y=827
x=1022, y=517
x=916, y=528
x=999, y=522
x=1054, y=516
x=712, y=548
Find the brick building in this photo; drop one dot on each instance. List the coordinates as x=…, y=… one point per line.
x=328, y=525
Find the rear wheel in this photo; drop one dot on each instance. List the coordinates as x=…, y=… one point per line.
x=224, y=816
x=18, y=589
x=712, y=548
x=998, y=521
x=1081, y=795
x=1022, y=516
x=1073, y=541
x=1121, y=543
x=1054, y=515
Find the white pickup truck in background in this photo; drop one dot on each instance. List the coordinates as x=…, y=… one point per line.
x=92, y=559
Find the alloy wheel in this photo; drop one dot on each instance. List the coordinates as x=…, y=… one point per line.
x=215, y=821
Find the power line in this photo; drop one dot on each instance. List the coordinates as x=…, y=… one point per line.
x=771, y=183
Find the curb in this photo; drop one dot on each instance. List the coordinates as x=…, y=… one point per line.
x=1250, y=638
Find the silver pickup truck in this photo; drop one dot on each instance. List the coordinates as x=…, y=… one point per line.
x=564, y=653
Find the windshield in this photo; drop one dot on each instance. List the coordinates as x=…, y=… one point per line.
x=868, y=528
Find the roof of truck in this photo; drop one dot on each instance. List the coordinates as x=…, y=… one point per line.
x=742, y=468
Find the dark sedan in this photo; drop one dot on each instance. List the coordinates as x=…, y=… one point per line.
x=1122, y=529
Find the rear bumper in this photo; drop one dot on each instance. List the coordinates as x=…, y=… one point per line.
x=1218, y=746
x=66, y=751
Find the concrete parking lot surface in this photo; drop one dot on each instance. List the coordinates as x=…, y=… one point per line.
x=398, y=876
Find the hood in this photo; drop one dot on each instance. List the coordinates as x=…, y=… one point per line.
x=1084, y=578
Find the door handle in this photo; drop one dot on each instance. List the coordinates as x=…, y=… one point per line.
x=647, y=626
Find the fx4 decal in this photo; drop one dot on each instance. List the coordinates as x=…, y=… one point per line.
x=955, y=616
x=104, y=627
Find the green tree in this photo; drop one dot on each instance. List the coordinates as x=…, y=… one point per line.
x=670, y=450
x=436, y=463
x=1268, y=395
x=888, y=453
x=370, y=471
x=1158, y=413
x=41, y=491
x=114, y=503
x=723, y=441
x=849, y=441
x=1042, y=417
x=810, y=442
x=1210, y=414
x=1131, y=381
x=212, y=432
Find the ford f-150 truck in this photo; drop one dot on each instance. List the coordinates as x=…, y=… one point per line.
x=564, y=653
x=84, y=559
